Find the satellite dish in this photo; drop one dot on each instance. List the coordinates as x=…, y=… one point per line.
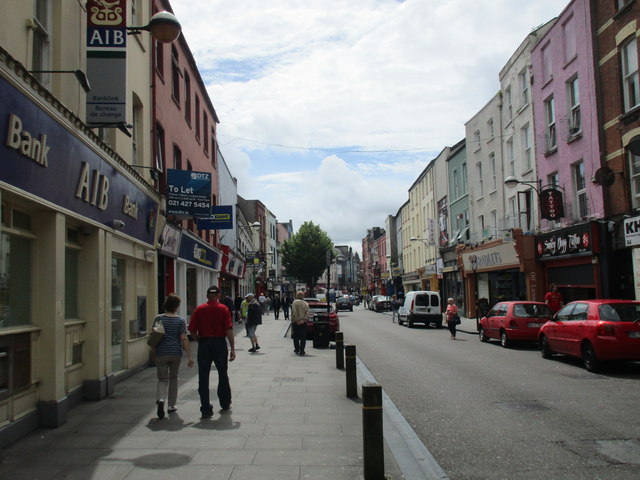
x=604, y=176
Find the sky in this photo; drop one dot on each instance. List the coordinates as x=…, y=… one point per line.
x=330, y=109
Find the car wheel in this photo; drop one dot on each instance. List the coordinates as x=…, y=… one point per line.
x=589, y=359
x=482, y=336
x=351, y=309
x=504, y=340
x=545, y=348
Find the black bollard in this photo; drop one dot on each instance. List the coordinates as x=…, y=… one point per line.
x=372, y=434
x=352, y=376
x=339, y=350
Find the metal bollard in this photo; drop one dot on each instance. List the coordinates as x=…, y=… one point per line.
x=352, y=376
x=339, y=350
x=372, y=433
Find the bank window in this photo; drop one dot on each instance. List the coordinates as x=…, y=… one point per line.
x=15, y=268
x=72, y=252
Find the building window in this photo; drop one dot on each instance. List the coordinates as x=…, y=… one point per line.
x=569, y=37
x=511, y=161
x=177, y=158
x=490, y=128
x=137, y=133
x=480, y=182
x=15, y=268
x=573, y=96
x=175, y=75
x=513, y=212
x=547, y=74
x=159, y=51
x=494, y=223
x=197, y=114
x=160, y=155
x=620, y=4
x=630, y=90
x=507, y=102
x=525, y=139
x=550, y=120
x=15, y=363
x=40, y=29
x=72, y=252
x=456, y=184
x=580, y=185
x=464, y=180
x=553, y=179
x=187, y=98
x=476, y=139
x=634, y=168
x=214, y=148
x=523, y=81
x=205, y=129
x=492, y=165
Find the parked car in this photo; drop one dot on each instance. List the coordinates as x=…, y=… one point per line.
x=380, y=303
x=318, y=312
x=344, y=303
x=595, y=331
x=420, y=306
x=514, y=321
x=355, y=299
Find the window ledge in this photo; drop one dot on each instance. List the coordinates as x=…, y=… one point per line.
x=550, y=151
x=623, y=9
x=630, y=115
x=574, y=136
x=19, y=329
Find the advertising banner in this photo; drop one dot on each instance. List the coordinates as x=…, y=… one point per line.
x=221, y=218
x=107, y=62
x=188, y=193
x=551, y=205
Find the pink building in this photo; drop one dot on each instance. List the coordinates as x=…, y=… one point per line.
x=565, y=117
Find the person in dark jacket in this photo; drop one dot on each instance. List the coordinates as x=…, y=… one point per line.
x=276, y=304
x=254, y=318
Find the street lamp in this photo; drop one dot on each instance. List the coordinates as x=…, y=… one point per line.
x=512, y=182
x=474, y=266
x=163, y=26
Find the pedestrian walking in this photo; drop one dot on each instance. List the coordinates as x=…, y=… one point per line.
x=395, y=307
x=286, y=305
x=212, y=327
x=453, y=319
x=299, y=317
x=262, y=300
x=254, y=318
x=169, y=354
x=276, y=304
x=237, y=303
x=244, y=310
x=553, y=299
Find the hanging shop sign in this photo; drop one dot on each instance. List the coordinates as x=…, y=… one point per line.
x=568, y=241
x=551, y=204
x=221, y=218
x=107, y=62
x=170, y=240
x=632, y=232
x=188, y=193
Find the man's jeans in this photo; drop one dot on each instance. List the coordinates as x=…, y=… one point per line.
x=213, y=350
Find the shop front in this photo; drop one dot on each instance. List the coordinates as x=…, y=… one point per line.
x=569, y=258
x=77, y=261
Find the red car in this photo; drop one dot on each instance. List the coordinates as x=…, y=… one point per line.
x=318, y=311
x=513, y=321
x=595, y=331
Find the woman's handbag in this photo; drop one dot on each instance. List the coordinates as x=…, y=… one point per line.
x=157, y=333
x=456, y=320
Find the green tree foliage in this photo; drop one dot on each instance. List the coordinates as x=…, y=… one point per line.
x=304, y=256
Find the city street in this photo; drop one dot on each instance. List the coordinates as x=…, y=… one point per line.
x=485, y=412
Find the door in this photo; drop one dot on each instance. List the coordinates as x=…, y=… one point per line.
x=117, y=313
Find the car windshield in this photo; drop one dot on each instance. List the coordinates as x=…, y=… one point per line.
x=528, y=310
x=620, y=312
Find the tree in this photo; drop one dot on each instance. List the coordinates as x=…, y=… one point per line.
x=304, y=256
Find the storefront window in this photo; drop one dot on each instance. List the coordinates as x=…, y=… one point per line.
x=71, y=283
x=15, y=280
x=117, y=313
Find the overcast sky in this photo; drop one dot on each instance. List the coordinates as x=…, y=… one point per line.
x=330, y=109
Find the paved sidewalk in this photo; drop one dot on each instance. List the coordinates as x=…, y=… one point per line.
x=290, y=419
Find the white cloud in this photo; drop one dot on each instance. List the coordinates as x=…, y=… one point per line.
x=371, y=74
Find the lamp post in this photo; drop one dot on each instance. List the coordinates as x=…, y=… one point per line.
x=423, y=240
x=474, y=266
x=512, y=182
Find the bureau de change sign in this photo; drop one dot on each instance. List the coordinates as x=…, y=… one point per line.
x=188, y=193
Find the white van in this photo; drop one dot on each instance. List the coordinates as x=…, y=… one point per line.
x=421, y=306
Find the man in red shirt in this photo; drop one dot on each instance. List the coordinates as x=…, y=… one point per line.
x=211, y=326
x=553, y=299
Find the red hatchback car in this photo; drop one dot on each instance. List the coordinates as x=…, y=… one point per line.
x=318, y=310
x=514, y=321
x=595, y=331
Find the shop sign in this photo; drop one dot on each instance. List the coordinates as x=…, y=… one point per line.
x=196, y=251
x=632, y=231
x=551, y=205
x=221, y=218
x=188, y=193
x=170, y=240
x=107, y=62
x=568, y=241
x=39, y=156
x=430, y=269
x=500, y=256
